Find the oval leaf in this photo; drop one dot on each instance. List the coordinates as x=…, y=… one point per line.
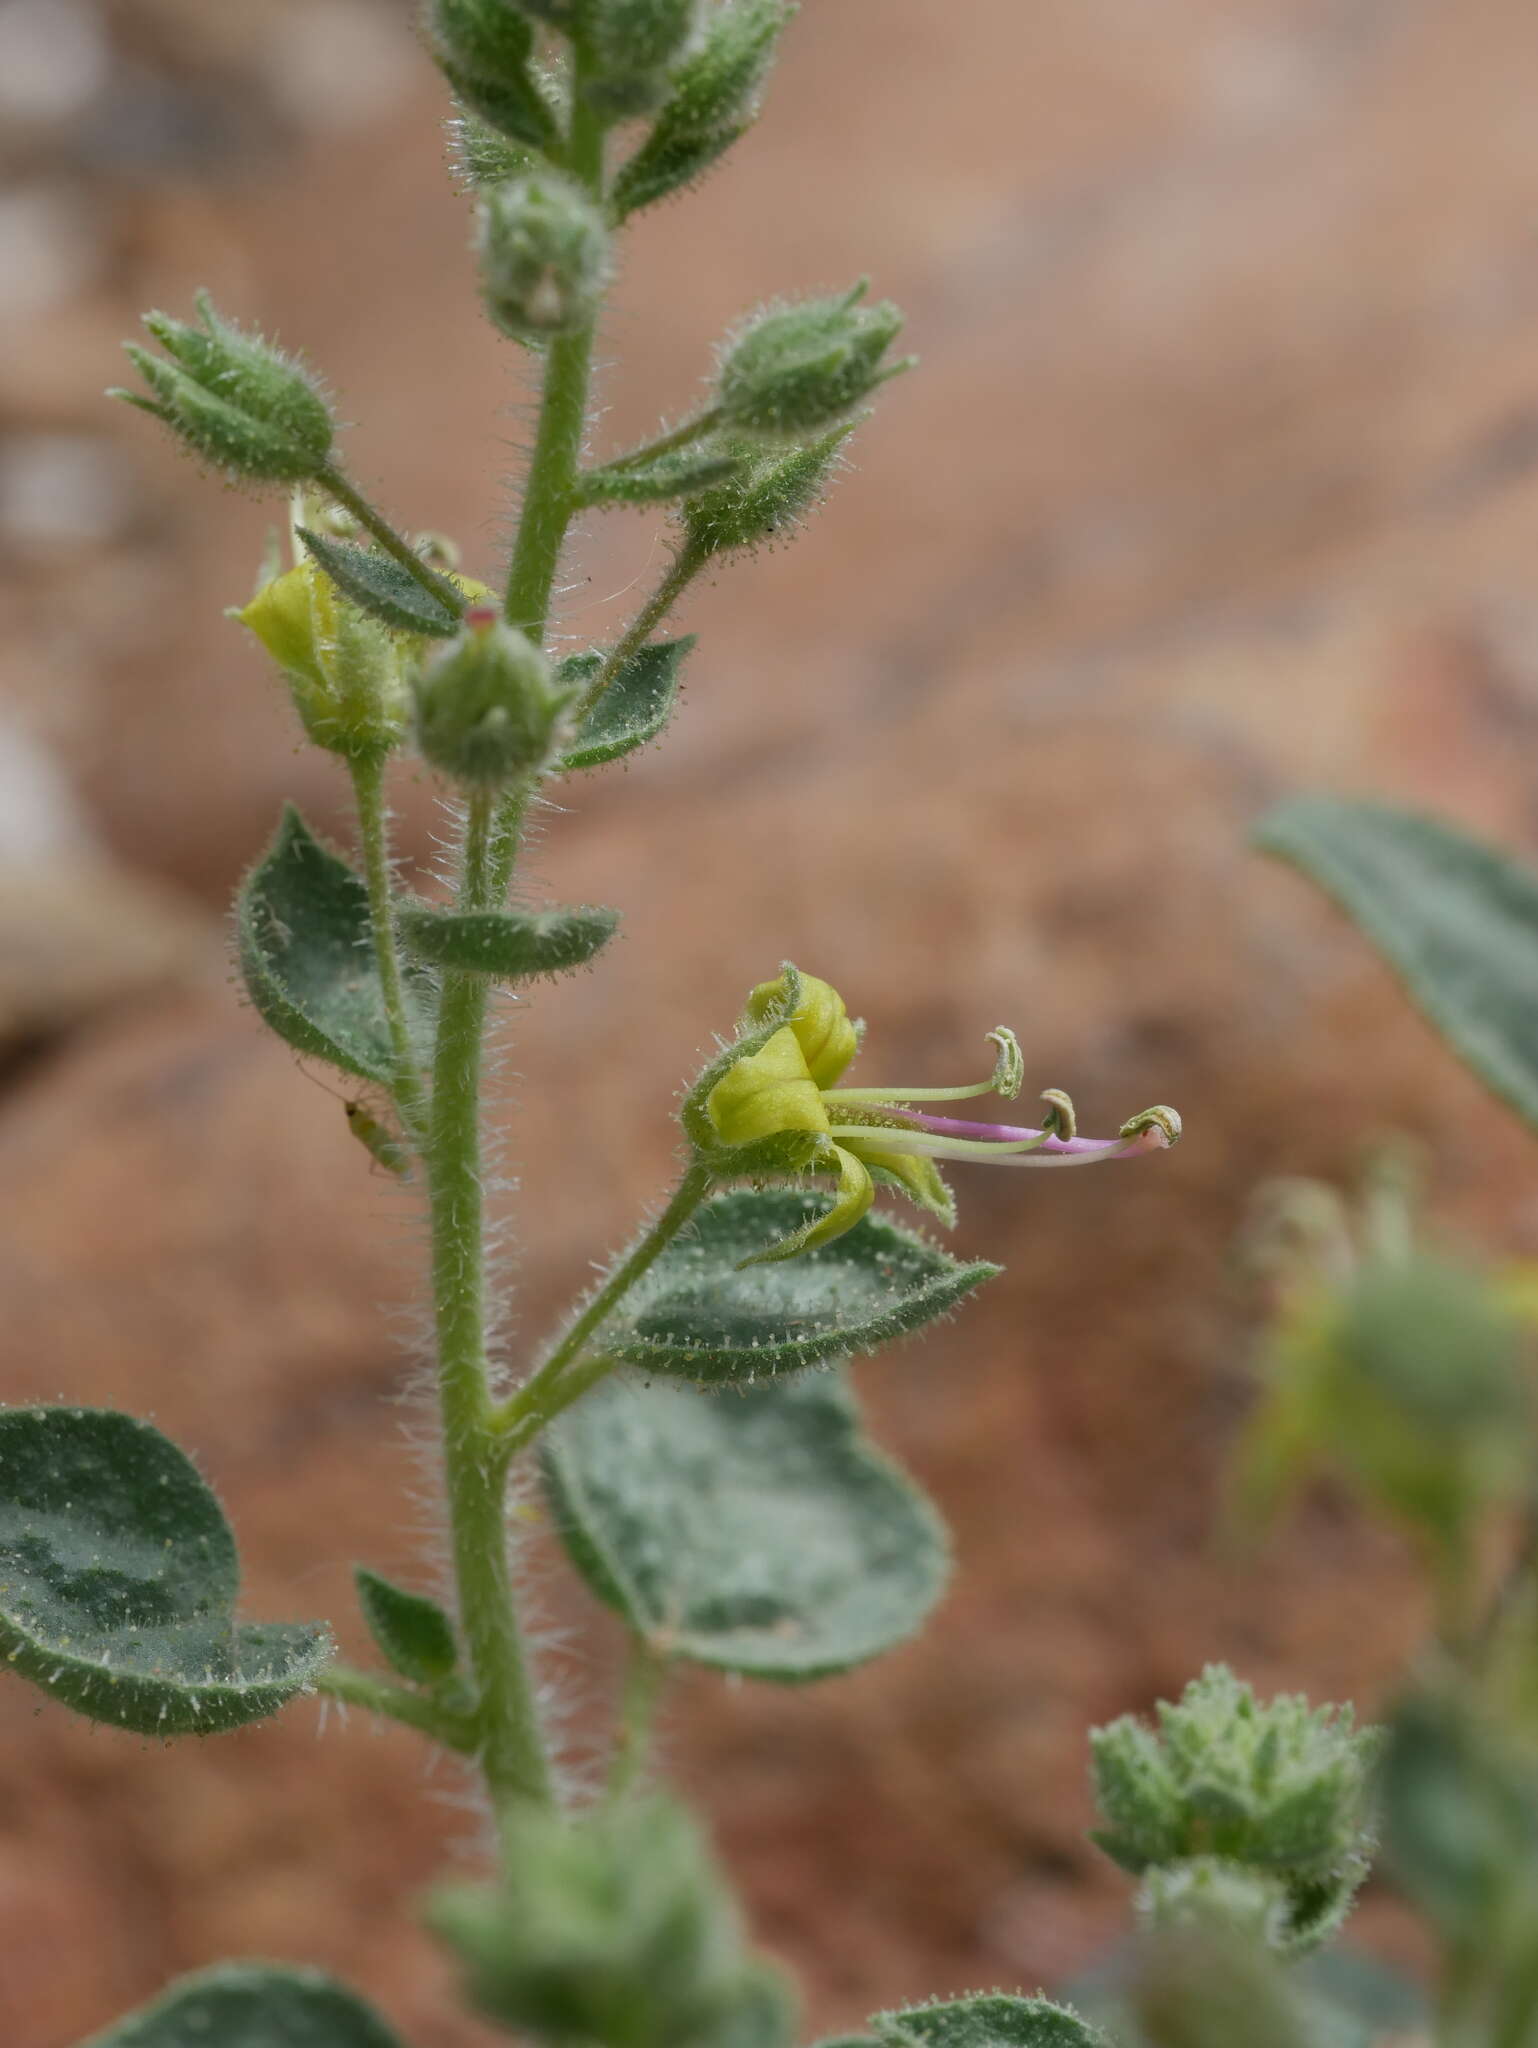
x=696, y=1316
x=382, y=588
x=633, y=710
x=993, y=2020
x=1457, y=921
x=307, y=957
x=252, y=2005
x=762, y=1534
x=413, y=1633
x=118, y=1580
x=510, y=945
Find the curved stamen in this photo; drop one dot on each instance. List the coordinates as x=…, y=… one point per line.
x=1006, y=1079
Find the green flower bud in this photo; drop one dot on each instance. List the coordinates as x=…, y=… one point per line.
x=631, y=47
x=798, y=369
x=765, y=500
x=488, y=709
x=544, y=253
x=342, y=667
x=713, y=100
x=615, y=1929
x=1281, y=1789
x=485, y=49
x=233, y=398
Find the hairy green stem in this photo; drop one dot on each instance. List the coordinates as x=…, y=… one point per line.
x=645, y=1677
x=511, y=1744
x=395, y=1703
x=352, y=500
x=540, y=1398
x=687, y=564
x=692, y=430
x=368, y=776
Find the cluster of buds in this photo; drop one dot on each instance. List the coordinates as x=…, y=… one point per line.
x=1262, y=1814
x=615, y=1929
x=771, y=1106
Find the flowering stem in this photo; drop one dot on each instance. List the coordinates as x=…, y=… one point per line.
x=687, y=564
x=543, y=1396
x=510, y=1742
x=374, y=523
x=665, y=444
x=368, y=774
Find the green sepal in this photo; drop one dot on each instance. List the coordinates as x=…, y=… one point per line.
x=767, y=497
x=1456, y=920
x=763, y=1534
x=382, y=588
x=480, y=156
x=988, y=2020
x=697, y=1316
x=305, y=948
x=713, y=101
x=415, y=1636
x=677, y=474
x=633, y=710
x=251, y=2005
x=118, y=1581
x=485, y=51
x=508, y=945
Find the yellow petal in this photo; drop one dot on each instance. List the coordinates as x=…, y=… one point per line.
x=282, y=616
x=820, y=1022
x=767, y=1093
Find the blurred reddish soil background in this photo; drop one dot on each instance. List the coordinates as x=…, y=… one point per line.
x=1218, y=479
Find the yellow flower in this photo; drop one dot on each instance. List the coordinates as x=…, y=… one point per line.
x=784, y=1089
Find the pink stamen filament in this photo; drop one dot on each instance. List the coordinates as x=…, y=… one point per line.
x=943, y=1137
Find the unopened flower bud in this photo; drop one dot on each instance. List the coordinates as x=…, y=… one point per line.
x=765, y=500
x=233, y=398
x=342, y=668
x=793, y=371
x=632, y=46
x=488, y=709
x=544, y=253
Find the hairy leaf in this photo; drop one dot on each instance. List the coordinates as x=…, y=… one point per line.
x=118, y=1580
x=306, y=954
x=413, y=1633
x=381, y=587
x=510, y=945
x=992, y=2020
x=678, y=474
x=695, y=1315
x=760, y=1533
x=252, y=2005
x=634, y=708
x=1457, y=921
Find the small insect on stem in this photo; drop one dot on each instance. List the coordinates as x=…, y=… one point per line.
x=385, y=1146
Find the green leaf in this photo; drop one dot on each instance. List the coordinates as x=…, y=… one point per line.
x=413, y=1633
x=634, y=708
x=307, y=957
x=510, y=945
x=381, y=587
x=992, y=2020
x=1456, y=920
x=696, y=1316
x=118, y=1580
x=761, y=1533
x=252, y=2005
